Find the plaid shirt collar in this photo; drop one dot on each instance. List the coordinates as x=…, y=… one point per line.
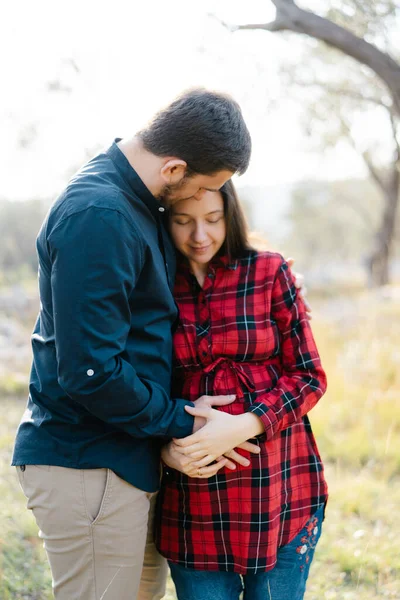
x=218, y=261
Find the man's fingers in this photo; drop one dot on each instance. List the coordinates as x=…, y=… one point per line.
x=250, y=447
x=238, y=458
x=222, y=400
x=198, y=412
x=299, y=282
x=290, y=261
x=308, y=309
x=229, y=463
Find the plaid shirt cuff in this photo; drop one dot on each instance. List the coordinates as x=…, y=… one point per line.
x=268, y=418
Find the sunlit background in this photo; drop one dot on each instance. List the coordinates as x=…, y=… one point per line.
x=75, y=75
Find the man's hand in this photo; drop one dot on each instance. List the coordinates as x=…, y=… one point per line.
x=172, y=457
x=207, y=402
x=299, y=283
x=221, y=434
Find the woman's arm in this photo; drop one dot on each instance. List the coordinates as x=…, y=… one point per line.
x=303, y=380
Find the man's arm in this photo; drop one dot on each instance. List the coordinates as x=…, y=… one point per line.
x=96, y=261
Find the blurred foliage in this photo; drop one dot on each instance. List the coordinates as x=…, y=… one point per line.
x=19, y=225
x=334, y=221
x=340, y=98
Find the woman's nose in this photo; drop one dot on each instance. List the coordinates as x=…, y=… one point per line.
x=199, y=234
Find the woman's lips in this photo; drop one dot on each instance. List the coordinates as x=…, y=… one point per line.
x=200, y=250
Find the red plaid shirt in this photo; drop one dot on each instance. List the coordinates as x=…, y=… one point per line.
x=245, y=332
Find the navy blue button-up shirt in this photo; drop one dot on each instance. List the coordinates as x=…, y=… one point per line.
x=102, y=344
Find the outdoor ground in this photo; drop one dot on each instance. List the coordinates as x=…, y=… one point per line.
x=357, y=426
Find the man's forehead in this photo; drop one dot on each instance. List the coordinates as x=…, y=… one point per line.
x=213, y=183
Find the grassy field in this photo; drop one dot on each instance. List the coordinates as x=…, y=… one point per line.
x=357, y=425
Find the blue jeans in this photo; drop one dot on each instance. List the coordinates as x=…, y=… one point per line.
x=286, y=581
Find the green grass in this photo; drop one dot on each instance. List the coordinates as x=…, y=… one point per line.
x=357, y=425
x=23, y=569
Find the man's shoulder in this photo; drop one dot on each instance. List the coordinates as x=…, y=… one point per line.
x=95, y=189
x=93, y=186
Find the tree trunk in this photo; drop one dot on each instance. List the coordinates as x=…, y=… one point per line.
x=379, y=259
x=290, y=17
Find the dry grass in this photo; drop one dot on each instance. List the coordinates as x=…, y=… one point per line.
x=357, y=426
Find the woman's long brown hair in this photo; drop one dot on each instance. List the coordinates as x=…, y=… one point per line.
x=237, y=235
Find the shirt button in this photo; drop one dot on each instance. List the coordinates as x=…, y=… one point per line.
x=22, y=467
x=161, y=209
x=90, y=372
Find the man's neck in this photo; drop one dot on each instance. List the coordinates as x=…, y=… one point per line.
x=146, y=164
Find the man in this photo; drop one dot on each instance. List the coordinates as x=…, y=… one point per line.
x=88, y=447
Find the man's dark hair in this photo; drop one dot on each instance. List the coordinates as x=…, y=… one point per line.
x=205, y=129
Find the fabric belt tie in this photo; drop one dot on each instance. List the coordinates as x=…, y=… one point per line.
x=241, y=377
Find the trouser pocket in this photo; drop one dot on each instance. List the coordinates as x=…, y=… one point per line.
x=96, y=490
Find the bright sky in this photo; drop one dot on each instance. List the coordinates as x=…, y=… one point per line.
x=122, y=60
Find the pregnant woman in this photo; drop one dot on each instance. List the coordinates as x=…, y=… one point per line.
x=242, y=330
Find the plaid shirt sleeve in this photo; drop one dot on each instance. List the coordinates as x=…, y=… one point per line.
x=303, y=380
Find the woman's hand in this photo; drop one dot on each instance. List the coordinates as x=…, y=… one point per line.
x=173, y=457
x=208, y=402
x=222, y=433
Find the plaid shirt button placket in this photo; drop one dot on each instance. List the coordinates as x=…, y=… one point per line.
x=246, y=333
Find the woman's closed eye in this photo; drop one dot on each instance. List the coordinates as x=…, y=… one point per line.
x=181, y=222
x=187, y=221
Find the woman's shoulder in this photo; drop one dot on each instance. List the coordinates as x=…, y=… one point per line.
x=264, y=259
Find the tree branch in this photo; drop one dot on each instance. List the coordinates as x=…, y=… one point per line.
x=342, y=92
x=393, y=123
x=376, y=176
x=291, y=17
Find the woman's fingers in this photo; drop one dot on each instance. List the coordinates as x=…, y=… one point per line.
x=250, y=447
x=191, y=450
x=199, y=455
x=209, y=471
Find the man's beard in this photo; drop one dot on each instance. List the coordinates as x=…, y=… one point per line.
x=167, y=196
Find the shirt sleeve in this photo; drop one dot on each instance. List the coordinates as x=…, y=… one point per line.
x=96, y=261
x=303, y=380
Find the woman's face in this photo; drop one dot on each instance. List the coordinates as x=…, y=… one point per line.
x=198, y=227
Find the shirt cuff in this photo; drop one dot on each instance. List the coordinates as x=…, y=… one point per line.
x=182, y=425
x=268, y=418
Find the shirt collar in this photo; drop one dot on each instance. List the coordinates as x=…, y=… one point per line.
x=132, y=178
x=218, y=261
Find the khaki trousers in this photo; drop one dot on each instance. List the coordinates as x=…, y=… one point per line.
x=97, y=532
